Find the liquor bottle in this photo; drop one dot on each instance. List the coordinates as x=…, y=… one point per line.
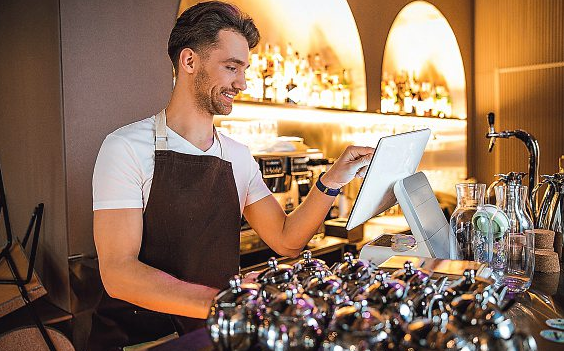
x=304, y=65
x=316, y=66
x=297, y=62
x=267, y=73
x=305, y=82
x=346, y=90
x=278, y=77
x=337, y=93
x=326, y=96
x=408, y=93
x=250, y=78
x=416, y=101
x=427, y=98
x=290, y=69
x=255, y=81
x=292, y=95
x=272, y=76
x=386, y=95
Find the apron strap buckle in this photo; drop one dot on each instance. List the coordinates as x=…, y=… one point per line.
x=161, y=142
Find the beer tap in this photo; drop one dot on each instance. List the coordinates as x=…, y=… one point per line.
x=511, y=178
x=533, y=148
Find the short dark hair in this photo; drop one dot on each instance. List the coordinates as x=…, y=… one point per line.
x=198, y=27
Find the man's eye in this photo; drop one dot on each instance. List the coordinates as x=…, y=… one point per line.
x=231, y=68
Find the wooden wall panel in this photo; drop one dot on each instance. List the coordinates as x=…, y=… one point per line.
x=31, y=134
x=115, y=71
x=538, y=111
x=531, y=32
x=519, y=63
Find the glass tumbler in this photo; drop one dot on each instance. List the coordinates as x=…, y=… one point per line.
x=520, y=261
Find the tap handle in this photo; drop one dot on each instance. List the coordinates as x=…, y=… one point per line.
x=492, y=144
x=491, y=119
x=491, y=132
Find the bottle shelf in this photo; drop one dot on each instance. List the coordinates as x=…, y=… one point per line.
x=265, y=106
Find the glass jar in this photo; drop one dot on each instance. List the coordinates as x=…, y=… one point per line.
x=519, y=241
x=461, y=237
x=491, y=225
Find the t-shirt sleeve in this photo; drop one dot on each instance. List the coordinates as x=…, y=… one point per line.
x=117, y=181
x=257, y=187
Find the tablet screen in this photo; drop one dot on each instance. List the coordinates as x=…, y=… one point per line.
x=396, y=157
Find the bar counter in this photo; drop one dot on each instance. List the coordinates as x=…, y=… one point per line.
x=545, y=300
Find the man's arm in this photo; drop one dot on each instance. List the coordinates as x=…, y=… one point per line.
x=288, y=234
x=117, y=235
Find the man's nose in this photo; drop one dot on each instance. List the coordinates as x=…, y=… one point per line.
x=240, y=83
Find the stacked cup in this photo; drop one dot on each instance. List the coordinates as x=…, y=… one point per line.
x=546, y=260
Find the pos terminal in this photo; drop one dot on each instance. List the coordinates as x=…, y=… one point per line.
x=390, y=179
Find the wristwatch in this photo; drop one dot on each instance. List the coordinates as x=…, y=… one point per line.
x=324, y=189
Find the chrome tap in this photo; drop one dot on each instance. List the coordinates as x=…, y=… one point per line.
x=511, y=178
x=550, y=210
x=533, y=148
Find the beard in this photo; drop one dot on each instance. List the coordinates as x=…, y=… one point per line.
x=210, y=102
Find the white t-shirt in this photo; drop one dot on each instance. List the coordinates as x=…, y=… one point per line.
x=123, y=173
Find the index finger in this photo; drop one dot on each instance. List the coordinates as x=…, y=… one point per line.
x=359, y=151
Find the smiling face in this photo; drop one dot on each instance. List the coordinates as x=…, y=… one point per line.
x=221, y=74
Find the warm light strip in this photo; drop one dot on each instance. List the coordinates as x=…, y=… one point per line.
x=531, y=67
x=349, y=118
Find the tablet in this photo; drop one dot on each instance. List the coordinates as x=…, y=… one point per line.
x=396, y=157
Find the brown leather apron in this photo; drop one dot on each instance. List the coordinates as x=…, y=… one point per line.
x=191, y=227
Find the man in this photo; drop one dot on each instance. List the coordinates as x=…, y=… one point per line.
x=169, y=192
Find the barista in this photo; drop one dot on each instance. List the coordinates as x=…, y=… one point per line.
x=169, y=192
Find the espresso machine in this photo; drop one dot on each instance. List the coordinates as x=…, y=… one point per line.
x=274, y=170
x=289, y=175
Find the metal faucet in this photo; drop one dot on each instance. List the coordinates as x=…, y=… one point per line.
x=511, y=178
x=550, y=208
x=533, y=148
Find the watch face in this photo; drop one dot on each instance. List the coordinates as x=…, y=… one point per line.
x=553, y=335
x=557, y=323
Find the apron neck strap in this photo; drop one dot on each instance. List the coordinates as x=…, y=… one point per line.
x=161, y=136
x=160, y=131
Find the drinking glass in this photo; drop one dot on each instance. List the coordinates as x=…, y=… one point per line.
x=520, y=261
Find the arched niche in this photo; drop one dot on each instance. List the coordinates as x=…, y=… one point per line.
x=422, y=41
x=326, y=27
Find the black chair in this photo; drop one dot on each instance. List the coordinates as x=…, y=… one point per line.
x=8, y=252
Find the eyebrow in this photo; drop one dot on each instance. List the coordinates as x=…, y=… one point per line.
x=236, y=61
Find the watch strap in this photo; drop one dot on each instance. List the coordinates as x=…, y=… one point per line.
x=324, y=189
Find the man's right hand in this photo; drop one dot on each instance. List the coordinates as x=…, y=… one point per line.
x=352, y=163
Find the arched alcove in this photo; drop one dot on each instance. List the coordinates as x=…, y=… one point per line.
x=422, y=43
x=326, y=27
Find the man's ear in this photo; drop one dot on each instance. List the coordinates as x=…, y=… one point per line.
x=186, y=60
